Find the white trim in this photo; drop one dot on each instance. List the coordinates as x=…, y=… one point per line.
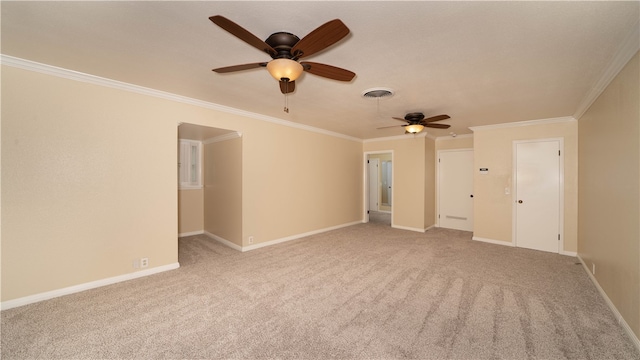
x=225, y=137
x=430, y=227
x=628, y=48
x=514, y=189
x=191, y=233
x=410, y=228
x=295, y=237
x=223, y=241
x=632, y=336
x=397, y=137
x=492, y=241
x=523, y=123
x=97, y=80
x=9, y=304
x=568, y=253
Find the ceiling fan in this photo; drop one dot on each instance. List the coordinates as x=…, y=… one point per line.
x=416, y=122
x=285, y=49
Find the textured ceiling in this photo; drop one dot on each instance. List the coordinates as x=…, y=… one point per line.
x=479, y=62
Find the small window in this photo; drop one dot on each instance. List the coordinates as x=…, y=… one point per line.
x=189, y=164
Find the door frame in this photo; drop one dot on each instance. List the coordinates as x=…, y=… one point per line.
x=377, y=181
x=365, y=179
x=438, y=179
x=514, y=190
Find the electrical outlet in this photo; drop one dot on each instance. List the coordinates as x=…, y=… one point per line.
x=593, y=268
x=136, y=264
x=144, y=262
x=250, y=239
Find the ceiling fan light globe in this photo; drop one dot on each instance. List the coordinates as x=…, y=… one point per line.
x=284, y=69
x=414, y=128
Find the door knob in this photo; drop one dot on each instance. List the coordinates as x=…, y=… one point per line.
x=519, y=201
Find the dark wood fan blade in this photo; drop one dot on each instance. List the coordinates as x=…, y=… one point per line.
x=328, y=71
x=436, y=118
x=401, y=119
x=320, y=38
x=233, y=68
x=437, y=126
x=287, y=86
x=242, y=34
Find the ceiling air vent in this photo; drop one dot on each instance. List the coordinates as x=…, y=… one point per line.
x=377, y=93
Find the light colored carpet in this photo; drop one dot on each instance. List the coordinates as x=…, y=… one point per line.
x=362, y=292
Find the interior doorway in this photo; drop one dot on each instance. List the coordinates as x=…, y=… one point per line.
x=192, y=197
x=378, y=189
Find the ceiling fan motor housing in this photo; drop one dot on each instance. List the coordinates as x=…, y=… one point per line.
x=414, y=117
x=282, y=42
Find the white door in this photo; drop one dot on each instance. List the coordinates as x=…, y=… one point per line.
x=455, y=189
x=537, y=195
x=373, y=184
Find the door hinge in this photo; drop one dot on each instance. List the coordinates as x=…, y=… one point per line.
x=558, y=237
x=367, y=211
x=367, y=161
x=558, y=152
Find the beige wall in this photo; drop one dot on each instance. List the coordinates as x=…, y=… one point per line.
x=296, y=181
x=223, y=189
x=609, y=212
x=430, y=183
x=89, y=180
x=451, y=143
x=493, y=148
x=88, y=183
x=409, y=179
x=190, y=211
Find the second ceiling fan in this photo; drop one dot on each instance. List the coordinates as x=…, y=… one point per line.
x=286, y=49
x=415, y=122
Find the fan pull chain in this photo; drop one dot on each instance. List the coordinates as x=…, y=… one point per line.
x=286, y=97
x=286, y=102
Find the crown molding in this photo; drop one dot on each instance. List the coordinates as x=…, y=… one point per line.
x=97, y=80
x=225, y=137
x=397, y=137
x=626, y=51
x=523, y=123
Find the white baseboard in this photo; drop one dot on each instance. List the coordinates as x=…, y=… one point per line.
x=408, y=228
x=9, y=304
x=430, y=227
x=616, y=313
x=492, y=241
x=295, y=237
x=191, y=233
x=276, y=241
x=505, y=243
x=223, y=241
